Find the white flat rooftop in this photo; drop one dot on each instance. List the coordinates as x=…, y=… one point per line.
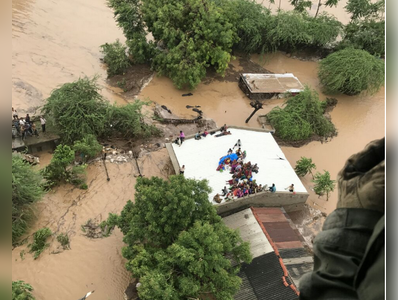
x=201, y=158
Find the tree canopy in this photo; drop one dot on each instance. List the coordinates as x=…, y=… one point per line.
x=301, y=117
x=351, y=71
x=115, y=57
x=177, y=245
x=77, y=110
x=26, y=189
x=22, y=291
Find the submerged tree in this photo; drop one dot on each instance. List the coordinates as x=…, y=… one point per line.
x=301, y=117
x=304, y=166
x=177, y=245
x=26, y=189
x=351, y=71
x=323, y=184
x=301, y=5
x=115, y=57
x=329, y=3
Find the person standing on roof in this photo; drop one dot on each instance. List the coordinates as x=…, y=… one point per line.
x=182, y=136
x=238, y=144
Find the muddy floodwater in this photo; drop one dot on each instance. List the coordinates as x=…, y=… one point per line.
x=55, y=42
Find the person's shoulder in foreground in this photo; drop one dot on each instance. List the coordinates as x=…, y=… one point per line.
x=349, y=252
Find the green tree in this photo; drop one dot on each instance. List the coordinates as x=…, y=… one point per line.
x=329, y=3
x=22, y=291
x=365, y=9
x=177, y=245
x=351, y=71
x=368, y=35
x=301, y=5
x=77, y=109
x=304, y=166
x=26, y=189
x=88, y=147
x=292, y=30
x=301, y=117
x=115, y=57
x=323, y=184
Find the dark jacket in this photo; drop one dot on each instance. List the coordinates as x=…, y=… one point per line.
x=348, y=257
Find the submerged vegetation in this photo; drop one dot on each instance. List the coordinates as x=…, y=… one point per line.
x=301, y=117
x=351, y=71
x=26, y=189
x=39, y=243
x=22, y=291
x=115, y=57
x=177, y=244
x=77, y=109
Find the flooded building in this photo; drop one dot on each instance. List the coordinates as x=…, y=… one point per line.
x=201, y=159
x=267, y=86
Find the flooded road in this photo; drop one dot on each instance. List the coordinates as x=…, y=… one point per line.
x=56, y=42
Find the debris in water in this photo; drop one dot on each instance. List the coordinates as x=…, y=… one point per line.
x=189, y=94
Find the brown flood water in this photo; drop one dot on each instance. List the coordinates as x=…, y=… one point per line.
x=56, y=42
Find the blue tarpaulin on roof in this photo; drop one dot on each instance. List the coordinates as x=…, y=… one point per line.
x=231, y=157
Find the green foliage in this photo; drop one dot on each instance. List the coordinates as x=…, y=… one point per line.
x=63, y=239
x=22, y=291
x=140, y=49
x=115, y=57
x=26, y=189
x=177, y=244
x=365, y=9
x=302, y=117
x=304, y=166
x=57, y=170
x=40, y=241
x=368, y=35
x=323, y=184
x=88, y=147
x=351, y=71
x=293, y=30
x=77, y=109
x=251, y=21
x=129, y=121
x=301, y=5
x=196, y=35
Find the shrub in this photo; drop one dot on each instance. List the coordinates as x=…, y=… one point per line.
x=302, y=117
x=40, y=241
x=26, y=189
x=304, y=166
x=323, y=184
x=63, y=239
x=115, y=57
x=351, y=71
x=22, y=291
x=128, y=120
x=88, y=147
x=57, y=170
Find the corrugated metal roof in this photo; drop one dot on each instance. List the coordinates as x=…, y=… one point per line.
x=250, y=231
x=264, y=275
